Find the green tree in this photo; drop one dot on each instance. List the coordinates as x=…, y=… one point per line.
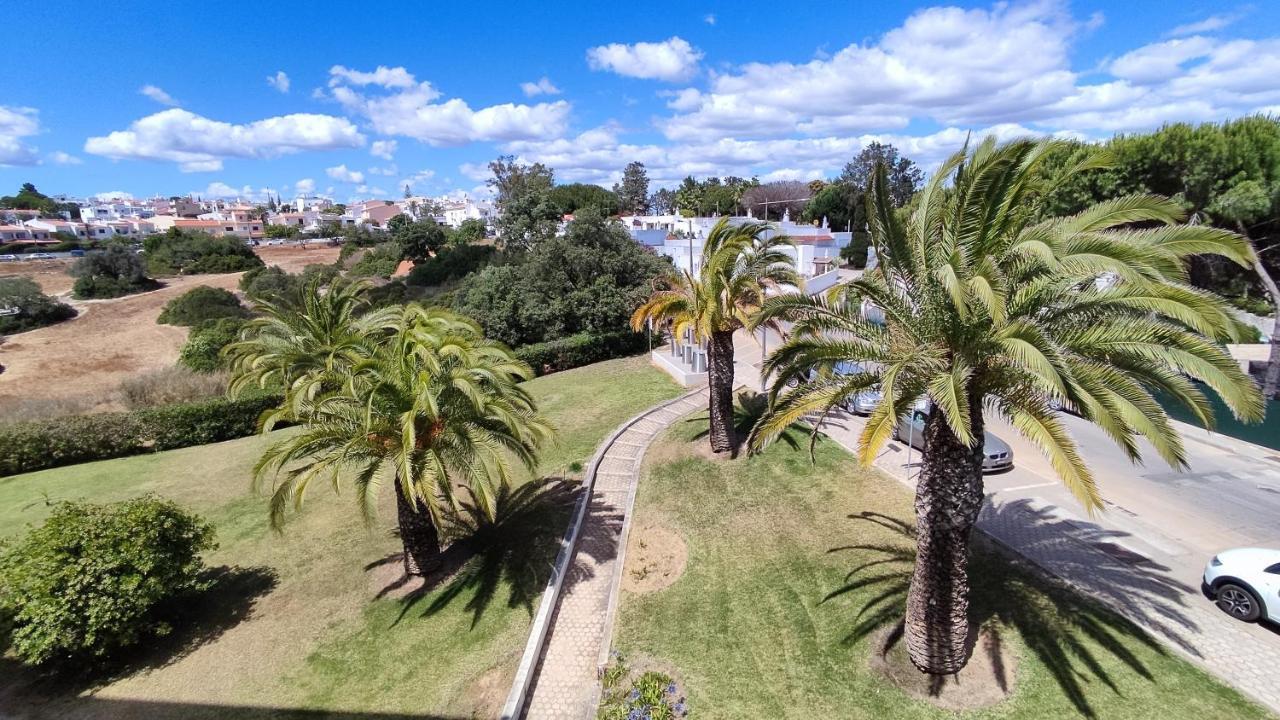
x=23, y=306
x=434, y=407
x=573, y=197
x=989, y=310
x=111, y=272
x=738, y=268
x=469, y=232
x=904, y=175
x=527, y=215
x=587, y=280
x=633, y=191
x=419, y=240
x=199, y=304
x=662, y=202
x=1245, y=204
x=840, y=203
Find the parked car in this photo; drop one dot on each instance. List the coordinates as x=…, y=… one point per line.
x=42, y=256
x=996, y=453
x=8, y=258
x=1245, y=583
x=865, y=401
x=78, y=252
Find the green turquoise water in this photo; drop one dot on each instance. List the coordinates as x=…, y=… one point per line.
x=1266, y=433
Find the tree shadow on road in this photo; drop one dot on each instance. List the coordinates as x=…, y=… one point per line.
x=1070, y=634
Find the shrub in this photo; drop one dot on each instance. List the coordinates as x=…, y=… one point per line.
x=169, y=386
x=189, y=253
x=451, y=263
x=36, y=445
x=203, y=350
x=199, y=304
x=267, y=282
x=381, y=261
x=35, y=309
x=112, y=272
x=582, y=349
x=97, y=579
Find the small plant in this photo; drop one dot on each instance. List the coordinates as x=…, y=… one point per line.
x=97, y=579
x=651, y=696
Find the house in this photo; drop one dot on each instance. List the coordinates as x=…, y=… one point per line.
x=14, y=233
x=816, y=252
x=378, y=215
x=49, y=225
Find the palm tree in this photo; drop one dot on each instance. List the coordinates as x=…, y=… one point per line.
x=989, y=310
x=308, y=344
x=433, y=408
x=739, y=267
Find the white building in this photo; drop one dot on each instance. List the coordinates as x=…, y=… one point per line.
x=816, y=252
x=115, y=209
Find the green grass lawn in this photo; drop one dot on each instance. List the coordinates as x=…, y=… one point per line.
x=793, y=567
x=308, y=632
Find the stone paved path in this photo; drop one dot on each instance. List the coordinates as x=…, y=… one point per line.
x=565, y=683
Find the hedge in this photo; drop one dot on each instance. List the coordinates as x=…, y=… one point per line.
x=40, y=444
x=581, y=349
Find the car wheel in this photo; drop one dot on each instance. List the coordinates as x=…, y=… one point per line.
x=1238, y=602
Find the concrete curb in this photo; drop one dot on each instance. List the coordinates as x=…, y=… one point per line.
x=551, y=594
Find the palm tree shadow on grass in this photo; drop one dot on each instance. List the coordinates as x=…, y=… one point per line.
x=1057, y=624
x=748, y=407
x=517, y=548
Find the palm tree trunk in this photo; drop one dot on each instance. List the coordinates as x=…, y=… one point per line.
x=720, y=390
x=948, y=498
x=419, y=535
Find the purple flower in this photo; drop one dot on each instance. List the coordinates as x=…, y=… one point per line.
x=672, y=689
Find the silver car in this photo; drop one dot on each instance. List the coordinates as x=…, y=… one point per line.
x=996, y=453
x=865, y=401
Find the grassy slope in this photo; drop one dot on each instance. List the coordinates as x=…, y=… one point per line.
x=750, y=633
x=317, y=640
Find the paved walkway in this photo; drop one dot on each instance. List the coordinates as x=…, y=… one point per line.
x=565, y=683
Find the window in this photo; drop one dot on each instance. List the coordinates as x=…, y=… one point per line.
x=1273, y=570
x=230, y=229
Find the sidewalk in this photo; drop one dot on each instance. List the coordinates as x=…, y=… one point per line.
x=565, y=683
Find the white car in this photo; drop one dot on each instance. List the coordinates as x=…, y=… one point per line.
x=1245, y=583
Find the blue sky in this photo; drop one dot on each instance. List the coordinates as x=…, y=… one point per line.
x=171, y=98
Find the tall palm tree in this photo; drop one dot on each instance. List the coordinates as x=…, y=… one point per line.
x=989, y=311
x=308, y=344
x=433, y=408
x=739, y=268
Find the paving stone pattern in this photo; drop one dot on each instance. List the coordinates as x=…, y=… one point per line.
x=565, y=683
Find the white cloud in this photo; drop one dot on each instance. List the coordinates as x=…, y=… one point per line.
x=342, y=174
x=388, y=171
x=198, y=144
x=279, y=81
x=305, y=186
x=385, y=149
x=1160, y=61
x=418, y=178
x=59, y=157
x=1209, y=24
x=475, y=171
x=223, y=190
x=158, y=95
x=408, y=108
x=113, y=195
x=673, y=60
x=709, y=19
x=544, y=86
x=369, y=191
x=944, y=63
x=383, y=76
x=17, y=123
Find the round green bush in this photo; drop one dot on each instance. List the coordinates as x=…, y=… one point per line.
x=97, y=579
x=199, y=304
x=203, y=350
